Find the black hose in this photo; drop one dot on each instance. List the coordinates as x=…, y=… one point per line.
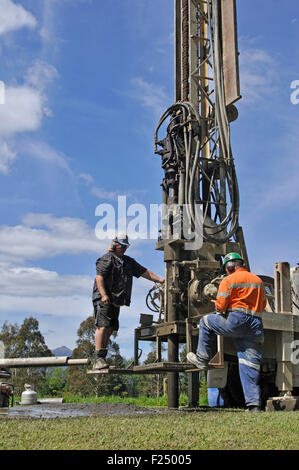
x=183, y=115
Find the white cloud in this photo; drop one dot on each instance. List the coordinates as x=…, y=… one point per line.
x=40, y=74
x=87, y=178
x=151, y=96
x=133, y=194
x=43, y=236
x=258, y=75
x=44, y=152
x=35, y=281
x=97, y=191
x=22, y=111
x=25, y=105
x=14, y=16
x=49, y=33
x=7, y=156
x=103, y=194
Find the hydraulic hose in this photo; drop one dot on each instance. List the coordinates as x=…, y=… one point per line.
x=184, y=126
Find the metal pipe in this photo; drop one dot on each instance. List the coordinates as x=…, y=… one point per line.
x=173, y=377
x=78, y=362
x=42, y=362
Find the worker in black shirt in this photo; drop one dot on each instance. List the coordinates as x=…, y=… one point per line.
x=112, y=289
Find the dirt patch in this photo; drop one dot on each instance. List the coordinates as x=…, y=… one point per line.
x=68, y=410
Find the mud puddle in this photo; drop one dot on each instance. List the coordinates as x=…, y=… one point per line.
x=68, y=410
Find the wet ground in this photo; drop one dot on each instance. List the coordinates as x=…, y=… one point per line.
x=68, y=410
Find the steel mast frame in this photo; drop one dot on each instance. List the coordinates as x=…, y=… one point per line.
x=207, y=76
x=207, y=87
x=204, y=172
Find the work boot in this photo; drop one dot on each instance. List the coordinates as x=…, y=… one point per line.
x=99, y=360
x=254, y=409
x=201, y=364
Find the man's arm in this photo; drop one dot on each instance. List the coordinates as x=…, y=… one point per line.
x=222, y=299
x=101, y=289
x=152, y=276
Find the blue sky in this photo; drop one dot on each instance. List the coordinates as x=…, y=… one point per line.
x=85, y=84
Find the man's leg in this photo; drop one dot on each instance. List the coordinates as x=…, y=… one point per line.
x=247, y=334
x=102, y=336
x=250, y=355
x=206, y=340
x=232, y=325
x=104, y=321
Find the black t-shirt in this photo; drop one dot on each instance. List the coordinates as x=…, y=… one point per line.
x=118, y=277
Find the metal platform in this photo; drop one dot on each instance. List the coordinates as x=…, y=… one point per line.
x=154, y=368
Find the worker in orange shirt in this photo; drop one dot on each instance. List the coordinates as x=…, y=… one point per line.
x=239, y=304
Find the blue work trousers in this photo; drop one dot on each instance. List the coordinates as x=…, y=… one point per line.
x=247, y=334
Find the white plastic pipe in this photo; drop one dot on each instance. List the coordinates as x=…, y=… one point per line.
x=43, y=362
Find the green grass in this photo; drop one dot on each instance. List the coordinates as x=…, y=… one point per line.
x=211, y=430
x=138, y=401
x=170, y=430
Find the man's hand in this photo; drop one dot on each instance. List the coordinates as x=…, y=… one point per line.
x=105, y=300
x=152, y=277
x=216, y=311
x=101, y=288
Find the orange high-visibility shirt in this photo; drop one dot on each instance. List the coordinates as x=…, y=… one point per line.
x=242, y=291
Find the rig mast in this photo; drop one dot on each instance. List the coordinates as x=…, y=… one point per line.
x=198, y=164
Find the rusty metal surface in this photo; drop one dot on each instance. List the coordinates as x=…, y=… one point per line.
x=154, y=368
x=177, y=50
x=230, y=51
x=185, y=49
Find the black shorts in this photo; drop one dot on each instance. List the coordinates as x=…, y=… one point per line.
x=106, y=315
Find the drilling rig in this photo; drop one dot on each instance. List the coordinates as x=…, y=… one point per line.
x=198, y=164
x=200, y=186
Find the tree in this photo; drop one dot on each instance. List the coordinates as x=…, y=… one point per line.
x=79, y=382
x=151, y=385
x=22, y=342
x=55, y=381
x=8, y=336
x=30, y=342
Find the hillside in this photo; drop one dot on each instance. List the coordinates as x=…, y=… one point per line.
x=62, y=351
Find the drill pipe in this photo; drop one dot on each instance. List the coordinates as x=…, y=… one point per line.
x=42, y=362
